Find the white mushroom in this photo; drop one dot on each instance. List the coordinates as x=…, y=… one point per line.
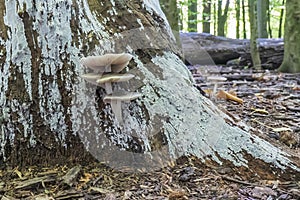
x=115, y=100
x=106, y=80
x=215, y=80
x=91, y=77
x=107, y=62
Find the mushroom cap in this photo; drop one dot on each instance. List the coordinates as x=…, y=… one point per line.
x=121, y=97
x=114, y=78
x=216, y=78
x=117, y=62
x=91, y=77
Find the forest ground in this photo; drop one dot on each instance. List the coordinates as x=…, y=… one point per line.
x=271, y=109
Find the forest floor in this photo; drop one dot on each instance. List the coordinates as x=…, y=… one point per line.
x=271, y=108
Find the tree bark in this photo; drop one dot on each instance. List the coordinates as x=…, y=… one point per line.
x=52, y=116
x=291, y=60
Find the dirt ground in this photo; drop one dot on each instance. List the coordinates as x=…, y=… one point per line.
x=270, y=107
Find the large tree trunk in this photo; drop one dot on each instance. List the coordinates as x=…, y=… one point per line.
x=51, y=115
x=291, y=60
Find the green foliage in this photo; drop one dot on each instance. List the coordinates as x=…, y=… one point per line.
x=187, y=16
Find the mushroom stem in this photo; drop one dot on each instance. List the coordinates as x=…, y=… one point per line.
x=215, y=88
x=116, y=106
x=108, y=68
x=108, y=87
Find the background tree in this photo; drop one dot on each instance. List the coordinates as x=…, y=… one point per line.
x=52, y=116
x=171, y=11
x=244, y=19
x=291, y=60
x=238, y=18
x=281, y=19
x=262, y=18
x=192, y=16
x=206, y=16
x=222, y=17
x=254, y=34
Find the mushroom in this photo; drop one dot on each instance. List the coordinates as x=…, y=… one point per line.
x=107, y=79
x=115, y=101
x=215, y=80
x=107, y=63
x=91, y=77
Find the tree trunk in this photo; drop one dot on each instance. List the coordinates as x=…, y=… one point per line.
x=238, y=14
x=254, y=34
x=291, y=60
x=172, y=13
x=51, y=115
x=262, y=18
x=281, y=20
x=222, y=17
x=192, y=16
x=244, y=19
x=206, y=16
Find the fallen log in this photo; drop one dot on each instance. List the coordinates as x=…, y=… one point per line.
x=203, y=48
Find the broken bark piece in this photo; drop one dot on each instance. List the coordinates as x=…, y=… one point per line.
x=70, y=177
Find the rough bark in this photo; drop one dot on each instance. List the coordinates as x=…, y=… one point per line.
x=52, y=116
x=200, y=48
x=291, y=60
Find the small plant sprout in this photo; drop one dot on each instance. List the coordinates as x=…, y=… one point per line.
x=216, y=80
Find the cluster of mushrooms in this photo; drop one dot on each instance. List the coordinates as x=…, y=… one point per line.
x=106, y=70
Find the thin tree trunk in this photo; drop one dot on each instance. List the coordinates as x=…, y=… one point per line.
x=238, y=14
x=192, y=16
x=206, y=16
x=244, y=19
x=253, y=40
x=222, y=17
x=262, y=18
x=172, y=13
x=281, y=20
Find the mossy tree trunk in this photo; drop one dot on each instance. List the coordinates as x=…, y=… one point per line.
x=291, y=59
x=50, y=115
